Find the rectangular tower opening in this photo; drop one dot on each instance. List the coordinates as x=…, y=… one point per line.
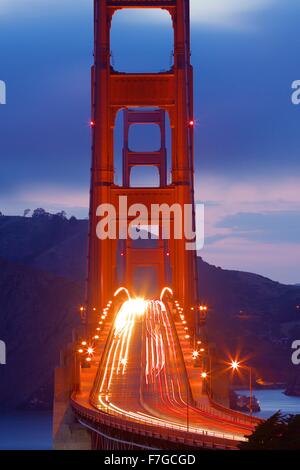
x=142, y=41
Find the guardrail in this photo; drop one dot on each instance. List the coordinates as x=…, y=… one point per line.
x=218, y=411
x=238, y=416
x=151, y=428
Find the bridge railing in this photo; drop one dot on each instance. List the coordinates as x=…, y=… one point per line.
x=236, y=415
x=151, y=426
x=217, y=410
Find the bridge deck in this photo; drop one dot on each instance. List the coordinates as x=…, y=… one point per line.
x=158, y=402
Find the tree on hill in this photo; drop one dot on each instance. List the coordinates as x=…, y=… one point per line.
x=61, y=215
x=26, y=212
x=40, y=212
x=279, y=432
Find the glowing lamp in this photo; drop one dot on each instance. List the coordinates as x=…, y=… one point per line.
x=234, y=365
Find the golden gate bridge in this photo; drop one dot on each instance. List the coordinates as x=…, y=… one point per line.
x=129, y=380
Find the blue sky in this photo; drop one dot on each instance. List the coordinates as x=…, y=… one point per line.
x=245, y=56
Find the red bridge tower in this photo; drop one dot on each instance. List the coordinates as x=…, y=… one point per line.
x=169, y=92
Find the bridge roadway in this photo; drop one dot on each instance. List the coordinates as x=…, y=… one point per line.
x=139, y=384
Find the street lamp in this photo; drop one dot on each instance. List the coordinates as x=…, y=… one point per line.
x=90, y=351
x=195, y=354
x=235, y=365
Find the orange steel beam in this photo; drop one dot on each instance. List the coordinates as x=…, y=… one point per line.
x=171, y=92
x=131, y=158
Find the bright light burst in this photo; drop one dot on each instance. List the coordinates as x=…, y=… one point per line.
x=195, y=354
x=235, y=365
x=127, y=314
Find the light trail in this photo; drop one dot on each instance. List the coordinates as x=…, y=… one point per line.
x=122, y=289
x=153, y=420
x=123, y=327
x=163, y=292
x=143, y=346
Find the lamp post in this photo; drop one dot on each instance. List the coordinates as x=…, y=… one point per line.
x=235, y=365
x=210, y=378
x=204, y=377
x=187, y=409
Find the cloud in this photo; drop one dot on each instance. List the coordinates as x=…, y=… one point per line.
x=267, y=227
x=279, y=262
x=252, y=225
x=228, y=13
x=256, y=194
x=33, y=8
x=233, y=14
x=224, y=198
x=51, y=198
